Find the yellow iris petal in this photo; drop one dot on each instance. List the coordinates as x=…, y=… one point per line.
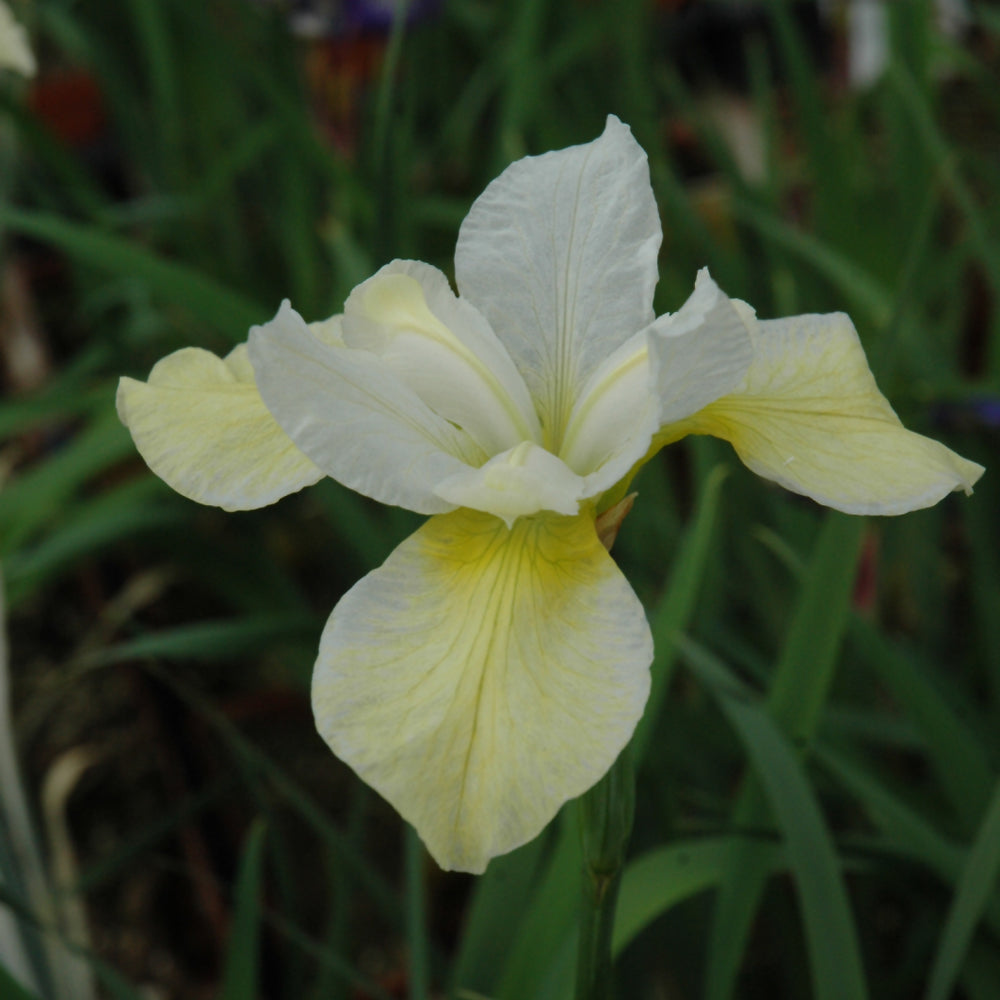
x=483, y=676
x=809, y=416
x=201, y=426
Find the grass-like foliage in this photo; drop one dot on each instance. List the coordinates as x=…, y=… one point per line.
x=818, y=800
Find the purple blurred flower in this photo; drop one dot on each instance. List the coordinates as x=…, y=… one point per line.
x=336, y=18
x=981, y=412
x=378, y=15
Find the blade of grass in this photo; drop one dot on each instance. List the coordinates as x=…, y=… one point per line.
x=799, y=690
x=955, y=754
x=12, y=989
x=59, y=972
x=868, y=296
x=206, y=640
x=661, y=879
x=240, y=972
x=826, y=156
x=20, y=861
x=945, y=162
x=830, y=932
x=520, y=86
x=355, y=865
x=38, y=495
x=88, y=527
x=680, y=599
x=908, y=834
x=548, y=927
x=500, y=898
x=220, y=307
x=416, y=916
x=972, y=893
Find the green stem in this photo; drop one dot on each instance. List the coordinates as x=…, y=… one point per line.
x=416, y=917
x=606, y=816
x=386, y=235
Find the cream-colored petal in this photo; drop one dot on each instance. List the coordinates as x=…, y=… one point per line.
x=559, y=254
x=15, y=52
x=523, y=480
x=349, y=412
x=809, y=416
x=673, y=368
x=614, y=419
x=481, y=677
x=700, y=353
x=202, y=427
x=444, y=350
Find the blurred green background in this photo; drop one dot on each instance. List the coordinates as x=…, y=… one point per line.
x=818, y=804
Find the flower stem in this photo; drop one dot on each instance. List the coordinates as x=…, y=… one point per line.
x=606, y=815
x=416, y=917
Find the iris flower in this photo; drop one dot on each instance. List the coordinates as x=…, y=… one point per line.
x=498, y=661
x=15, y=53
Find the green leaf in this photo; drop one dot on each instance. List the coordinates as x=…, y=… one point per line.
x=973, y=892
x=663, y=878
x=37, y=496
x=88, y=527
x=11, y=989
x=239, y=977
x=499, y=899
x=547, y=932
x=908, y=834
x=830, y=932
x=175, y=283
x=864, y=292
x=675, y=609
x=414, y=862
x=255, y=763
x=956, y=756
x=207, y=640
x=798, y=693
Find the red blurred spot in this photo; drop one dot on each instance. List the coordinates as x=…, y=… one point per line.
x=69, y=102
x=866, y=582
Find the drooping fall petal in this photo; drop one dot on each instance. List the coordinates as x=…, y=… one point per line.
x=809, y=416
x=483, y=676
x=201, y=426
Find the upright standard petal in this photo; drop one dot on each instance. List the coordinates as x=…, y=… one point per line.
x=201, y=426
x=559, y=253
x=673, y=368
x=444, y=350
x=809, y=416
x=483, y=676
x=355, y=418
x=700, y=353
x=614, y=418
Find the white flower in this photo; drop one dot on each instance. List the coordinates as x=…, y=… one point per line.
x=15, y=53
x=497, y=663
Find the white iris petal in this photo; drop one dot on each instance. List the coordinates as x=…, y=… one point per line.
x=559, y=254
x=355, y=418
x=444, y=350
x=524, y=480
